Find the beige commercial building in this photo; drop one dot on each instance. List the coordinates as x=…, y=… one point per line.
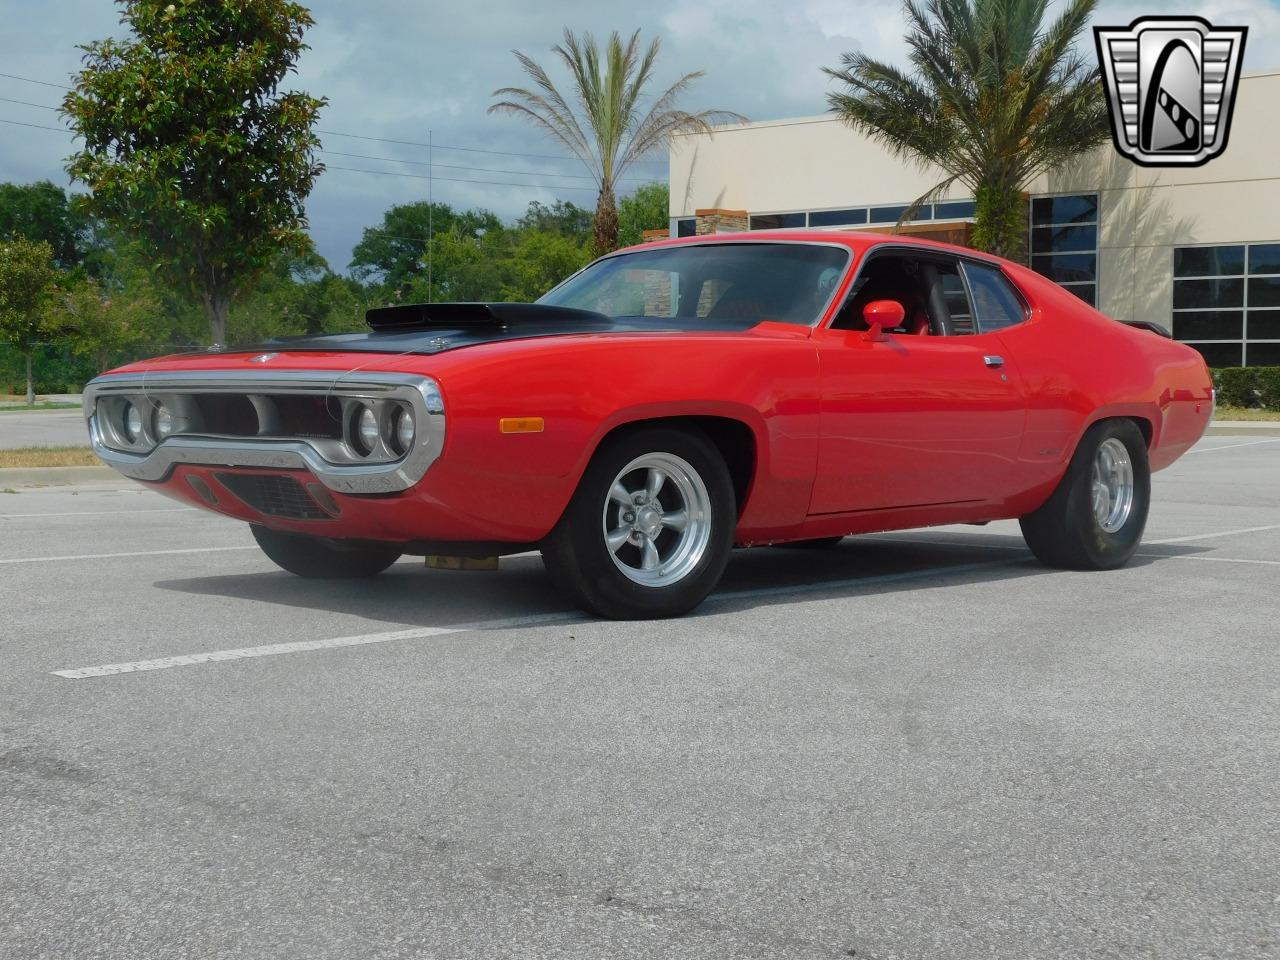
x=1196, y=250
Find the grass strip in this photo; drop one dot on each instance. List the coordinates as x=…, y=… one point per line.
x=49, y=457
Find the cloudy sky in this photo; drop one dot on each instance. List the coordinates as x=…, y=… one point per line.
x=402, y=70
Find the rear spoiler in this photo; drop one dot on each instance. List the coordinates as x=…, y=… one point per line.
x=1148, y=325
x=424, y=316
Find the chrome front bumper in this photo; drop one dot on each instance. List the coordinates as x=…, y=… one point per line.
x=273, y=452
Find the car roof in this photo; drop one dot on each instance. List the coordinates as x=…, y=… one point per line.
x=857, y=240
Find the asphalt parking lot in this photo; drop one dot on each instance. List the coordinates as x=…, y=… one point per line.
x=917, y=745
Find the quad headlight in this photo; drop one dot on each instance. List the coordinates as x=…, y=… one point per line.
x=367, y=431
x=165, y=422
x=404, y=430
x=132, y=423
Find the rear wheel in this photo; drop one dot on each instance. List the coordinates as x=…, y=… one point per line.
x=322, y=558
x=1095, y=518
x=649, y=529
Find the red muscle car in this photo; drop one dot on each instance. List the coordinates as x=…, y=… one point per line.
x=669, y=402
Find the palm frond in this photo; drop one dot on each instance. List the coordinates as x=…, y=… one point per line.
x=605, y=126
x=994, y=94
x=662, y=121
x=931, y=195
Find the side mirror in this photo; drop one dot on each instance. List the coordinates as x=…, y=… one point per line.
x=882, y=315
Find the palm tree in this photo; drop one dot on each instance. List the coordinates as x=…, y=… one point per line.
x=608, y=132
x=995, y=98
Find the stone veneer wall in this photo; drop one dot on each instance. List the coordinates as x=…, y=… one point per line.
x=713, y=220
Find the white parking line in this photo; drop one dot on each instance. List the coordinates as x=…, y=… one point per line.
x=97, y=513
x=1183, y=556
x=115, y=556
x=427, y=633
x=305, y=646
x=1232, y=446
x=1211, y=536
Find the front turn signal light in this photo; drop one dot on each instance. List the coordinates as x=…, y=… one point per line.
x=521, y=425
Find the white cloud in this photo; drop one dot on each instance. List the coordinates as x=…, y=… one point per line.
x=401, y=68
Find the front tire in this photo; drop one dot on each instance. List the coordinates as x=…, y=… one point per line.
x=1095, y=518
x=649, y=529
x=321, y=558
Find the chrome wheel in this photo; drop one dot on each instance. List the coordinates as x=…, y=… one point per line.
x=1112, y=485
x=657, y=519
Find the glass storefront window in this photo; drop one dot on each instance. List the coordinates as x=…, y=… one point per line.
x=1226, y=302
x=1064, y=242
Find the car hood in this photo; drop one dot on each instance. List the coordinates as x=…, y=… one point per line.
x=436, y=328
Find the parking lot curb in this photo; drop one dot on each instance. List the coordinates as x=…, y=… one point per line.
x=14, y=477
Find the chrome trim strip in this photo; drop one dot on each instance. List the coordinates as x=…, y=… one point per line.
x=275, y=453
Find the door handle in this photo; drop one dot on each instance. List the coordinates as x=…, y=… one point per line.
x=993, y=360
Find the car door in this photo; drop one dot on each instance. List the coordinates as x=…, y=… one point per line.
x=914, y=420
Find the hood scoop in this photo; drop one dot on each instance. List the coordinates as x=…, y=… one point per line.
x=490, y=316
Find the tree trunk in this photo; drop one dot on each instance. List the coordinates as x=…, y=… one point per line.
x=604, y=232
x=1000, y=222
x=31, y=386
x=215, y=309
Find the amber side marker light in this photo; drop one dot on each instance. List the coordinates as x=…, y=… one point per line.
x=521, y=425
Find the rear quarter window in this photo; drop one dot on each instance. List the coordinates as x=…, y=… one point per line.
x=995, y=303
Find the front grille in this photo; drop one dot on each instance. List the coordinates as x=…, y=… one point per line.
x=274, y=495
x=288, y=415
x=226, y=415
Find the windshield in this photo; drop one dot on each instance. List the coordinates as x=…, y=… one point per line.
x=731, y=284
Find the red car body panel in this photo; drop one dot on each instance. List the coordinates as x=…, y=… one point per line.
x=849, y=435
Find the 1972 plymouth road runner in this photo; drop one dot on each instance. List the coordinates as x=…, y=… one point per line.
x=669, y=402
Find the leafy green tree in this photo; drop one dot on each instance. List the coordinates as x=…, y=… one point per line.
x=540, y=261
x=607, y=128
x=648, y=208
x=28, y=281
x=298, y=294
x=505, y=264
x=190, y=145
x=562, y=217
x=996, y=97
x=107, y=321
x=464, y=267
x=42, y=211
x=391, y=255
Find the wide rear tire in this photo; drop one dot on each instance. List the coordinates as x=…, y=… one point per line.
x=1095, y=518
x=649, y=529
x=321, y=558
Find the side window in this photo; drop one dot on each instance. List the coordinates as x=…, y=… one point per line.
x=885, y=277
x=995, y=304
x=956, y=298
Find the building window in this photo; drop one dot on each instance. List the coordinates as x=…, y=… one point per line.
x=686, y=227
x=1064, y=242
x=860, y=216
x=838, y=218
x=1226, y=302
x=955, y=210
x=894, y=214
x=776, y=221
